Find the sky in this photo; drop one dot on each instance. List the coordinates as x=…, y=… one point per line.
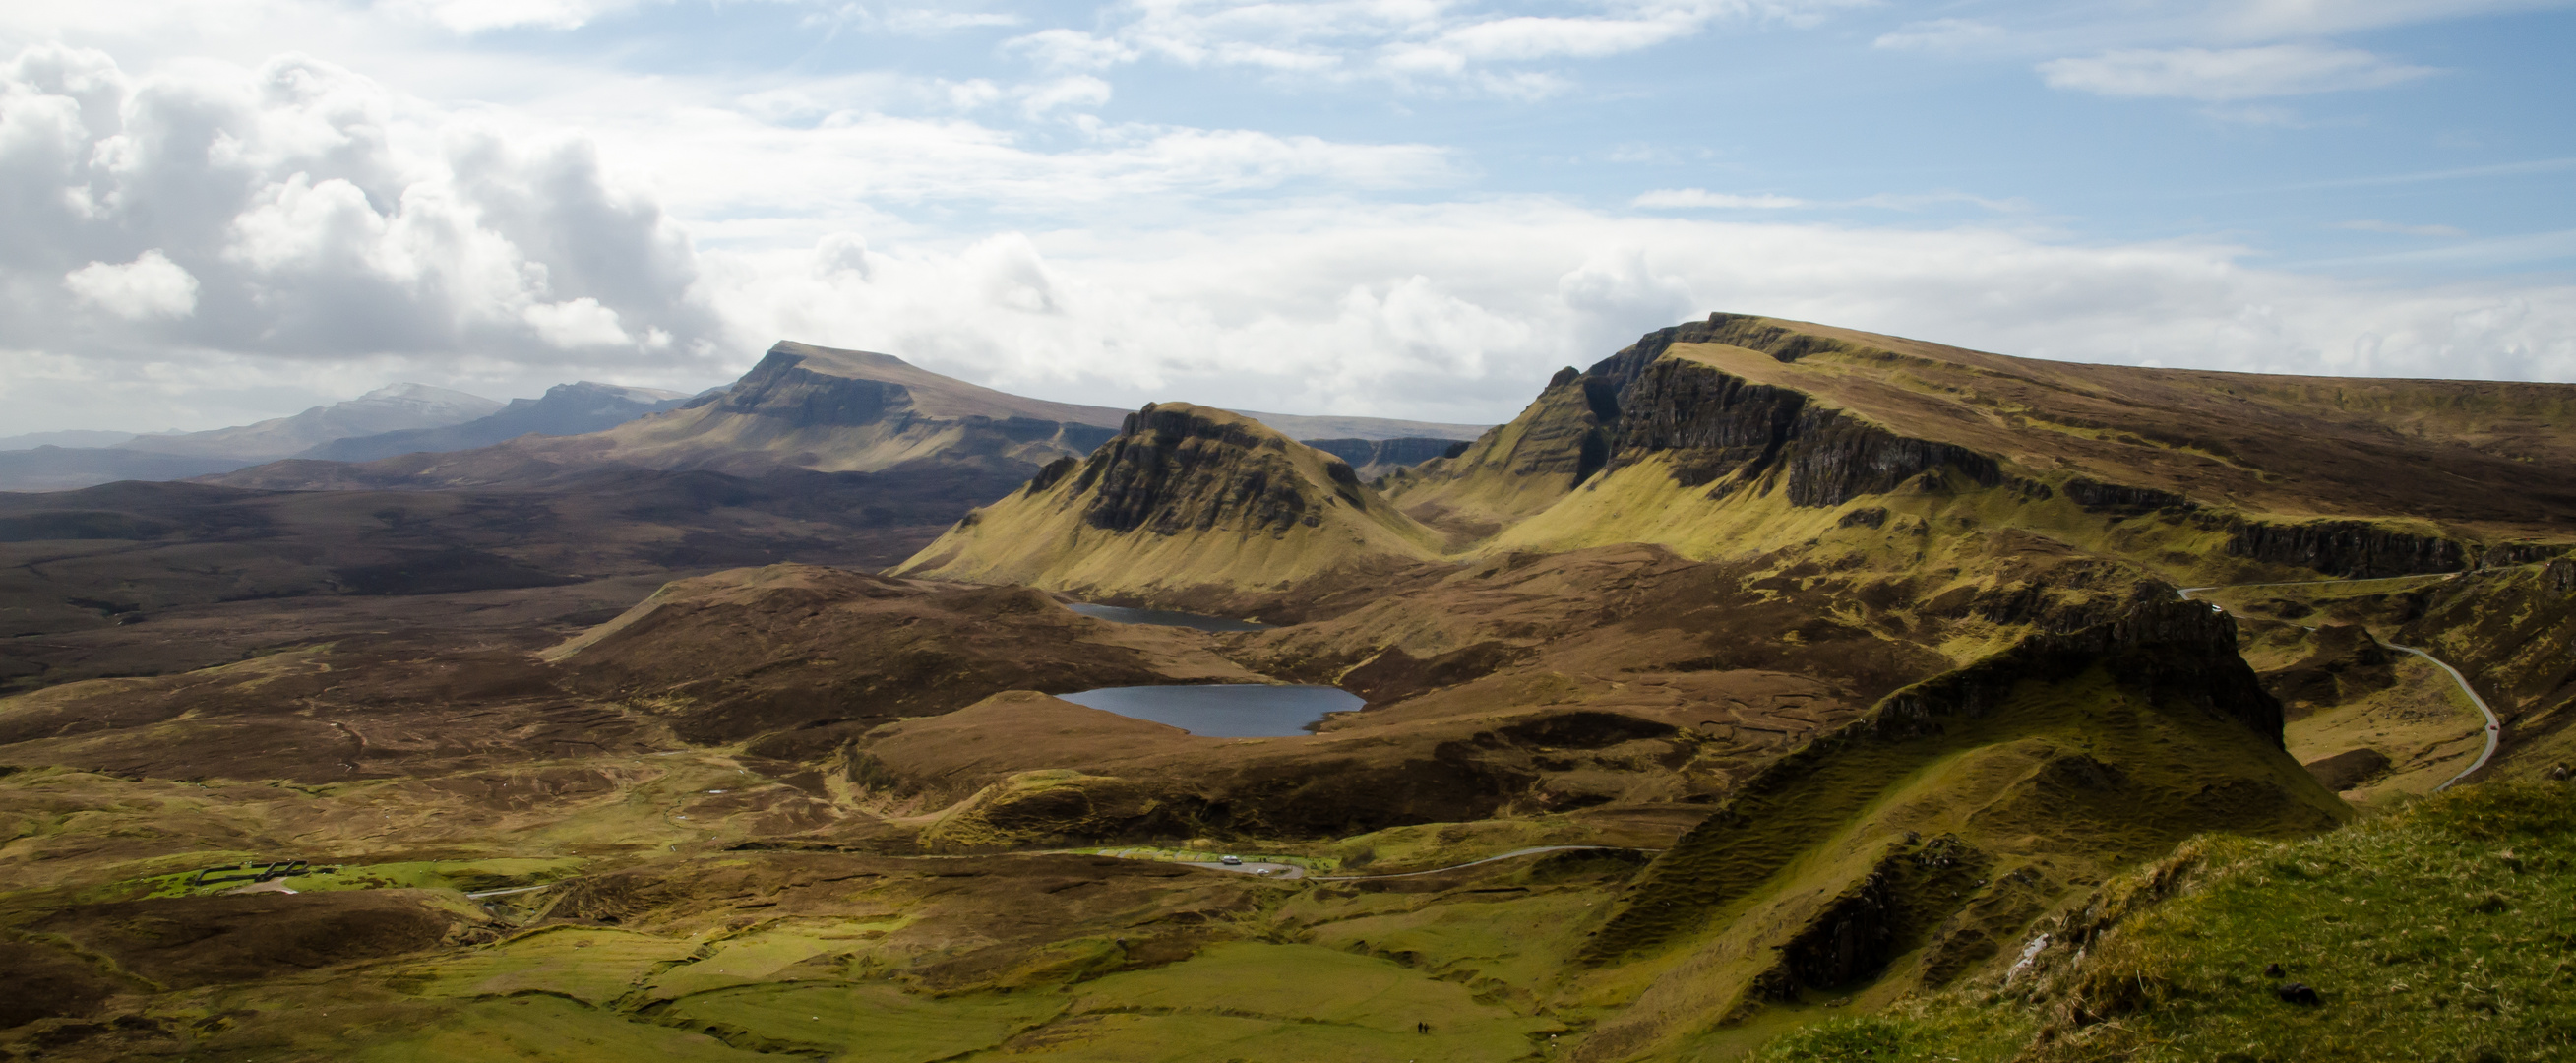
x=224, y=210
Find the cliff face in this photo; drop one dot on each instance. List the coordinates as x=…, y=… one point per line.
x=1185, y=500
x=2175, y=652
x=852, y=411
x=1175, y=469
x=2347, y=548
x=2173, y=658
x=1717, y=432
x=1716, y=425
x=780, y=387
x=1513, y=470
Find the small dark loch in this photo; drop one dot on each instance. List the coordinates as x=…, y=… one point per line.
x=1234, y=710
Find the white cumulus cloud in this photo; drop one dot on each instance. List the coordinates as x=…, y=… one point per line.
x=299, y=211
x=1406, y=41
x=578, y=323
x=149, y=287
x=1540, y=37
x=1940, y=35
x=1079, y=91
x=1701, y=197
x=475, y=16
x=1459, y=312
x=2222, y=74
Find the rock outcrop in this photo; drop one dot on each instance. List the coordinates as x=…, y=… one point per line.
x=2345, y=664
x=1715, y=425
x=2175, y=659
x=2123, y=499
x=1184, y=498
x=835, y=410
x=1517, y=469
x=2359, y=549
x=1716, y=431
x=1805, y=416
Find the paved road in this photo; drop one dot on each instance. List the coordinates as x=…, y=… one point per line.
x=2495, y=724
x=1255, y=867
x=502, y=893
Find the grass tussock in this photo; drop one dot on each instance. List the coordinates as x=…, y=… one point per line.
x=2445, y=932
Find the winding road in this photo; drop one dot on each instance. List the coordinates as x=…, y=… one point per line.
x=2495, y=724
x=507, y=892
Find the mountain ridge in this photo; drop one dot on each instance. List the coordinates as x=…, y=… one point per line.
x=1194, y=496
x=802, y=406
x=564, y=410
x=393, y=407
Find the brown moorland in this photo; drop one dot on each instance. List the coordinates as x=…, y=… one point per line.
x=1867, y=654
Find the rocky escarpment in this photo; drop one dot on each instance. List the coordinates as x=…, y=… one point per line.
x=1184, y=497
x=781, y=387
x=790, y=396
x=1715, y=430
x=2123, y=499
x=2352, y=548
x=1896, y=908
x=2169, y=651
x=1516, y=469
x=1734, y=330
x=2346, y=663
x=1715, y=425
x=1176, y=469
x=2502, y=554
x=2177, y=659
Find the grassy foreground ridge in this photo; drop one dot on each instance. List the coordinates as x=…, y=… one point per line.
x=2438, y=933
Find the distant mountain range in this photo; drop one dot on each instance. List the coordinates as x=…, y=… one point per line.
x=807, y=408
x=565, y=410
x=393, y=407
x=77, y=437
x=397, y=419
x=803, y=407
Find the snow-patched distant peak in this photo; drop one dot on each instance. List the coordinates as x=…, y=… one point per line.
x=424, y=398
x=391, y=408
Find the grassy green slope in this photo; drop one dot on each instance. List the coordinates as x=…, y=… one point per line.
x=1913, y=845
x=2439, y=933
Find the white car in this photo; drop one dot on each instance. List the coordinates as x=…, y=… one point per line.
x=1230, y=861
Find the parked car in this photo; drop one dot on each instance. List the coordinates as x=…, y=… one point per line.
x=1230, y=861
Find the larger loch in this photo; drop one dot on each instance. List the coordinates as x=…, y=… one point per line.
x=1230, y=710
